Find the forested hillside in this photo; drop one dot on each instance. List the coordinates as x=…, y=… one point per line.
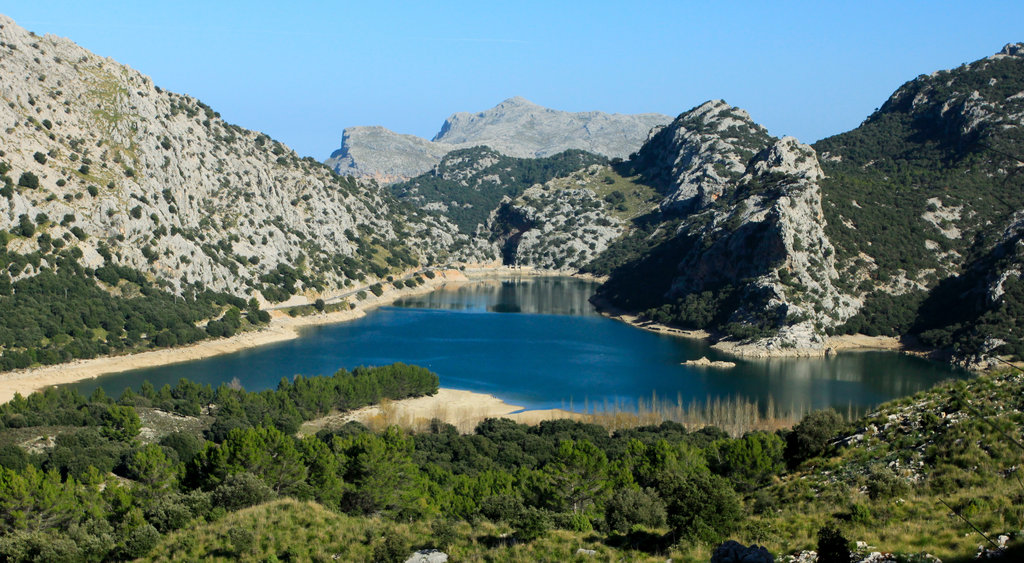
x=927, y=189
x=171, y=474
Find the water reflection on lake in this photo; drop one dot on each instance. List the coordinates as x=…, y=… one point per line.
x=538, y=342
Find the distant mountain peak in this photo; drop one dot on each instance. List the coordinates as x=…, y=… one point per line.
x=517, y=101
x=515, y=127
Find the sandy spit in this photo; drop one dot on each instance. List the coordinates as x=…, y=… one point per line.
x=462, y=409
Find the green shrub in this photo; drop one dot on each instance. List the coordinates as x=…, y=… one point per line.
x=28, y=180
x=631, y=507
x=701, y=506
x=241, y=490
x=810, y=437
x=883, y=484
x=832, y=546
x=530, y=524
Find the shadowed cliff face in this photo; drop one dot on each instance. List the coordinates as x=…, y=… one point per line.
x=510, y=224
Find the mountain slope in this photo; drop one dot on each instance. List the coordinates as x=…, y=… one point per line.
x=515, y=127
x=132, y=217
x=905, y=225
x=158, y=182
x=920, y=194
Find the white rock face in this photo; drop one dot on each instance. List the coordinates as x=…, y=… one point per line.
x=802, y=286
x=515, y=127
x=571, y=224
x=164, y=185
x=703, y=152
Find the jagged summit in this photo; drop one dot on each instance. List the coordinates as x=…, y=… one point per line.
x=1013, y=50
x=702, y=152
x=515, y=127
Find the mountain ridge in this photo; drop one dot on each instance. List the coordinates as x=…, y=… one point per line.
x=515, y=127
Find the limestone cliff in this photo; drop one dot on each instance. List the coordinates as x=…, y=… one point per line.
x=99, y=158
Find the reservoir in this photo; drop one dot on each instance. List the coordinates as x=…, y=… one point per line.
x=539, y=343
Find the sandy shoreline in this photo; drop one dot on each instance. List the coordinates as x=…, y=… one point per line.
x=834, y=344
x=281, y=328
x=462, y=409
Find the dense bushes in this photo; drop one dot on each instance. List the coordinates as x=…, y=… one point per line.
x=811, y=436
x=86, y=321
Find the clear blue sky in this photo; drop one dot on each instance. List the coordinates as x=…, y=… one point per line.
x=302, y=71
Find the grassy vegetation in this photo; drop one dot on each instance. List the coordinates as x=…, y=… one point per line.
x=627, y=196
x=290, y=530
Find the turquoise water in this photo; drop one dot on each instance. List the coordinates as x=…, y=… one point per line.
x=539, y=343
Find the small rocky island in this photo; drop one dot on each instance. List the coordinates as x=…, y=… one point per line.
x=704, y=362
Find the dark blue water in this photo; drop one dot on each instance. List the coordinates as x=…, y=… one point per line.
x=540, y=344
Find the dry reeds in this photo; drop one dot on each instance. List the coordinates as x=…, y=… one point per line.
x=735, y=415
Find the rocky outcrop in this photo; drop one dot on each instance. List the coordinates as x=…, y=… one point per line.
x=567, y=223
x=747, y=244
x=704, y=362
x=515, y=127
x=101, y=160
x=701, y=153
x=383, y=155
x=735, y=552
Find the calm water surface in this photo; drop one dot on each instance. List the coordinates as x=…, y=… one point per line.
x=539, y=343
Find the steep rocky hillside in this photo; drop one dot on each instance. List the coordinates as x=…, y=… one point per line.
x=908, y=224
x=467, y=185
x=515, y=127
x=98, y=159
x=739, y=243
x=568, y=222
x=924, y=198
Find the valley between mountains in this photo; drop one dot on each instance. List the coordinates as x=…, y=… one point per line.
x=138, y=227
x=704, y=222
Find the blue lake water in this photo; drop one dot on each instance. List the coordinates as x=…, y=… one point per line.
x=538, y=342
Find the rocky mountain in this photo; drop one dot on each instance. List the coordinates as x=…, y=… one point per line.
x=467, y=185
x=738, y=243
x=515, y=127
x=99, y=161
x=906, y=225
x=920, y=196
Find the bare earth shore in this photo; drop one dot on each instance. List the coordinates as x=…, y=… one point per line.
x=282, y=327
x=462, y=409
x=834, y=344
